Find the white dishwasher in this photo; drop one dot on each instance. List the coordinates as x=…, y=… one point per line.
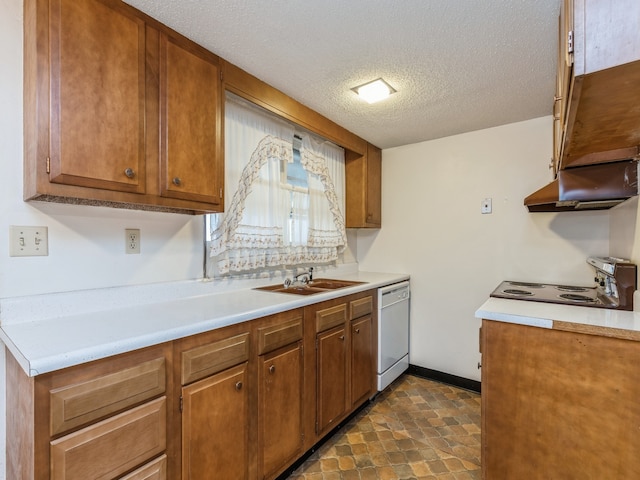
x=393, y=332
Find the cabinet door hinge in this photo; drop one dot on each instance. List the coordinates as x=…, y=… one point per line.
x=48, y=165
x=221, y=75
x=220, y=193
x=570, y=41
x=181, y=403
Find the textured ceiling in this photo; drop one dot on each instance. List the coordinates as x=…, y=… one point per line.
x=458, y=66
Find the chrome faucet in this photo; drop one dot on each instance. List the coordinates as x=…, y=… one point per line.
x=304, y=277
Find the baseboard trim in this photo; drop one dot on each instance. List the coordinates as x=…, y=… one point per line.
x=443, y=377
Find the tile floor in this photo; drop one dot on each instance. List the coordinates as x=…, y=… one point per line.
x=417, y=429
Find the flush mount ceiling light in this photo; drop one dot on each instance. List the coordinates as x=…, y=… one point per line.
x=374, y=91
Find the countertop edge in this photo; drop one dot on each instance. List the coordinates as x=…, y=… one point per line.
x=39, y=346
x=593, y=321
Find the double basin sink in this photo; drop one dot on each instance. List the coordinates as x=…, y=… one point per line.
x=315, y=286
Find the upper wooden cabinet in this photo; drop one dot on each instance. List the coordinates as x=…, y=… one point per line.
x=97, y=88
x=190, y=124
x=119, y=110
x=599, y=82
x=364, y=184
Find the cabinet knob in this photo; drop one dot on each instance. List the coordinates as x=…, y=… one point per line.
x=272, y=369
x=176, y=181
x=239, y=386
x=129, y=172
x=341, y=337
x=357, y=330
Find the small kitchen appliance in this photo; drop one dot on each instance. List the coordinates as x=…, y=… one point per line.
x=615, y=284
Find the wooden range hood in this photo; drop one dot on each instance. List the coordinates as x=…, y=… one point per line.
x=591, y=187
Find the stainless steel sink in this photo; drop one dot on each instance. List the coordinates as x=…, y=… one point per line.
x=319, y=285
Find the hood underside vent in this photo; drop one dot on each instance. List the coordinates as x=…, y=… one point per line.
x=592, y=187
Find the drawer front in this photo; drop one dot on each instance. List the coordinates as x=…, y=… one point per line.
x=154, y=470
x=331, y=317
x=109, y=448
x=361, y=307
x=214, y=357
x=272, y=338
x=85, y=402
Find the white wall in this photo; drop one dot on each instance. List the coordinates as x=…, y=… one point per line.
x=433, y=229
x=625, y=229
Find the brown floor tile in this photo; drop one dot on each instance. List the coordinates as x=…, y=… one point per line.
x=417, y=429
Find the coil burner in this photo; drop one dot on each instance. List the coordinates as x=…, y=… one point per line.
x=526, y=284
x=567, y=288
x=615, y=284
x=578, y=298
x=518, y=293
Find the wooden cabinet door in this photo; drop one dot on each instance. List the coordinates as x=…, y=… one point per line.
x=373, y=204
x=97, y=96
x=364, y=182
x=362, y=360
x=280, y=409
x=544, y=390
x=331, y=378
x=192, y=163
x=214, y=426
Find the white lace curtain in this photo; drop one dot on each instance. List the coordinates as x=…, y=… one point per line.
x=267, y=225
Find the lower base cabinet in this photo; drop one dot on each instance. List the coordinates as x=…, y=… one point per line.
x=362, y=359
x=345, y=353
x=214, y=434
x=278, y=343
x=280, y=410
x=559, y=404
x=242, y=402
x=332, y=378
x=215, y=403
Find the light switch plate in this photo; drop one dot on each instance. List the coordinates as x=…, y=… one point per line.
x=486, y=206
x=28, y=241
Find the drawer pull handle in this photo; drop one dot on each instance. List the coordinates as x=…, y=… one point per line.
x=129, y=172
x=272, y=369
x=239, y=386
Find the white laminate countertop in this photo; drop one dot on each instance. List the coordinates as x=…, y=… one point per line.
x=76, y=334
x=548, y=315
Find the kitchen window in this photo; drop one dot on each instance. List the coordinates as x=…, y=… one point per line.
x=285, y=196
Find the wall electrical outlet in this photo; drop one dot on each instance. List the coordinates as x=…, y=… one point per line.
x=28, y=241
x=486, y=206
x=132, y=240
